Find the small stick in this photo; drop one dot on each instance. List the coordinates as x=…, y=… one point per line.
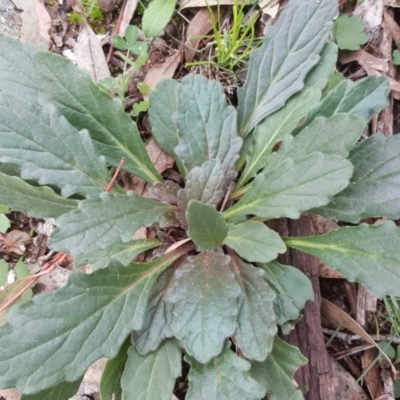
x=115, y=176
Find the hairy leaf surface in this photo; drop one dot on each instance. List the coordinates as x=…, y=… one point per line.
x=204, y=297
x=62, y=391
x=100, y=222
x=38, y=202
x=50, y=150
x=86, y=106
x=375, y=185
x=207, y=226
x=226, y=377
x=125, y=253
x=367, y=254
x=288, y=188
x=256, y=320
x=278, y=68
x=57, y=336
x=152, y=377
x=207, y=125
x=254, y=241
x=275, y=374
x=292, y=289
x=273, y=129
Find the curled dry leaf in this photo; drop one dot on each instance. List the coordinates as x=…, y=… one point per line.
x=15, y=241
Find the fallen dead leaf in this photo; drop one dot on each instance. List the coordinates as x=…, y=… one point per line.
x=158, y=156
x=268, y=7
x=90, y=55
x=393, y=28
x=128, y=11
x=10, y=394
x=364, y=59
x=199, y=26
x=372, y=378
x=15, y=241
x=392, y=3
x=371, y=12
x=163, y=70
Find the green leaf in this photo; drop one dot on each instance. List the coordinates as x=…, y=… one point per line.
x=62, y=391
x=110, y=383
x=278, y=68
x=292, y=288
x=156, y=17
x=100, y=222
x=275, y=374
x=204, y=296
x=119, y=42
x=17, y=76
x=375, y=185
x=348, y=32
x=158, y=316
x=319, y=75
x=49, y=150
x=335, y=135
x=86, y=106
x=38, y=202
x=4, y=223
x=254, y=241
x=288, y=188
x=226, y=377
x=152, y=377
x=396, y=57
x=131, y=34
x=125, y=253
x=366, y=254
x=273, y=129
x=207, y=125
x=256, y=320
x=57, y=336
x=207, y=226
x=363, y=98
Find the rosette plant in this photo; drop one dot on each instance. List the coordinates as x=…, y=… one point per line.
x=207, y=287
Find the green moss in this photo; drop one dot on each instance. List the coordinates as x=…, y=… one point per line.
x=75, y=18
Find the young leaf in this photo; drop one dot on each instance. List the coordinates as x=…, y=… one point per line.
x=38, y=202
x=363, y=98
x=110, y=384
x=125, y=253
x=226, y=377
x=207, y=125
x=204, y=296
x=288, y=188
x=366, y=254
x=256, y=320
x=292, y=288
x=86, y=106
x=50, y=150
x=273, y=129
x=102, y=221
x=278, y=68
x=207, y=226
x=348, y=32
x=158, y=316
x=156, y=17
x=62, y=391
x=254, y=241
x=275, y=374
x=152, y=376
x=374, y=190
x=87, y=319
x=17, y=75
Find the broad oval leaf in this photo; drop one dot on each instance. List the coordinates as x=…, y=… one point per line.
x=86, y=106
x=156, y=17
x=292, y=289
x=50, y=150
x=278, y=68
x=254, y=241
x=38, y=202
x=292, y=186
x=256, y=320
x=204, y=296
x=367, y=254
x=207, y=125
x=374, y=190
x=102, y=221
x=152, y=377
x=87, y=319
x=276, y=372
x=207, y=226
x=64, y=390
x=225, y=378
